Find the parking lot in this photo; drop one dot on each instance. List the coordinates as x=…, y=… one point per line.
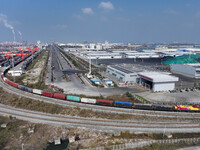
x=184, y=97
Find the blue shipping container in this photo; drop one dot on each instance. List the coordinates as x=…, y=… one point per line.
x=123, y=103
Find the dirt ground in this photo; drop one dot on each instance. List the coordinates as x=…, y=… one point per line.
x=36, y=136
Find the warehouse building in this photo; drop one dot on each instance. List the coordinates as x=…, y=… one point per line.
x=150, y=79
x=189, y=70
x=122, y=74
x=157, y=81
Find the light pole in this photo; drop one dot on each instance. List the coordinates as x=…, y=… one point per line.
x=22, y=146
x=181, y=84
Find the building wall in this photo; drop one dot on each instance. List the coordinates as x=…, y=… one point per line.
x=163, y=86
x=183, y=70
x=121, y=76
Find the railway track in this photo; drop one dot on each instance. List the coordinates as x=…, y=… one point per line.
x=102, y=124
x=135, y=112
x=99, y=124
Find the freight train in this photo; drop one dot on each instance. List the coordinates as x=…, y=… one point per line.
x=102, y=102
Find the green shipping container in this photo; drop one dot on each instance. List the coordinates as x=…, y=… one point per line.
x=73, y=98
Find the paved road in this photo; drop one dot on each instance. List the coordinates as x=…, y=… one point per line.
x=75, y=86
x=49, y=71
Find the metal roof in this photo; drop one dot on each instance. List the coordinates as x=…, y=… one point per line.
x=158, y=77
x=122, y=69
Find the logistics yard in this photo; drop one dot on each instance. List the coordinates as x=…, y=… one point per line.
x=69, y=96
x=99, y=75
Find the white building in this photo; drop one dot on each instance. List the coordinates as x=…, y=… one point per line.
x=15, y=72
x=189, y=70
x=122, y=74
x=157, y=81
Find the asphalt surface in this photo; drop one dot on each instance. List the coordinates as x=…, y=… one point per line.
x=58, y=75
x=74, y=86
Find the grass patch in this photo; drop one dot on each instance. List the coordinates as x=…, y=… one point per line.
x=140, y=98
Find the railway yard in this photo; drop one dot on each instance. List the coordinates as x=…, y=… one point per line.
x=69, y=100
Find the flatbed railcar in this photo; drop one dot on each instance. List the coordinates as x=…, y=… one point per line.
x=143, y=106
x=48, y=94
x=123, y=104
x=163, y=108
x=88, y=100
x=73, y=98
x=59, y=96
x=105, y=102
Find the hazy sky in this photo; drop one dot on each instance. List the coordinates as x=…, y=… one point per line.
x=96, y=20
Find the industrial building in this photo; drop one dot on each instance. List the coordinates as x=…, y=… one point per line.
x=122, y=74
x=150, y=79
x=189, y=70
x=157, y=81
x=122, y=54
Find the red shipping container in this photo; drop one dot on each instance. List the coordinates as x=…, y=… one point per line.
x=105, y=101
x=60, y=96
x=12, y=83
x=7, y=81
x=15, y=85
x=48, y=94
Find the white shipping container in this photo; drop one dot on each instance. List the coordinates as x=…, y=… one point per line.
x=88, y=100
x=5, y=79
x=36, y=91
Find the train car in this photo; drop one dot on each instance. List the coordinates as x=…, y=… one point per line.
x=163, y=107
x=2, y=75
x=73, y=98
x=60, y=96
x=143, y=106
x=21, y=87
x=88, y=100
x=27, y=89
x=36, y=91
x=105, y=102
x=123, y=104
x=12, y=83
x=5, y=79
x=187, y=108
x=48, y=94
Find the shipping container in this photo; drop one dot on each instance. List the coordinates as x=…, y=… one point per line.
x=123, y=104
x=36, y=91
x=73, y=98
x=5, y=79
x=88, y=100
x=105, y=102
x=60, y=96
x=2, y=75
x=21, y=87
x=13, y=84
x=28, y=89
x=48, y=94
x=143, y=106
x=162, y=107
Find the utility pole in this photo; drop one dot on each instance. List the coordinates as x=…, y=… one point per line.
x=13, y=68
x=90, y=66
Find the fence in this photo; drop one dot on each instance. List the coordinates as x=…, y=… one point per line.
x=145, y=143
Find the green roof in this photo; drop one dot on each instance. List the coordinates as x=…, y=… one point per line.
x=182, y=59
